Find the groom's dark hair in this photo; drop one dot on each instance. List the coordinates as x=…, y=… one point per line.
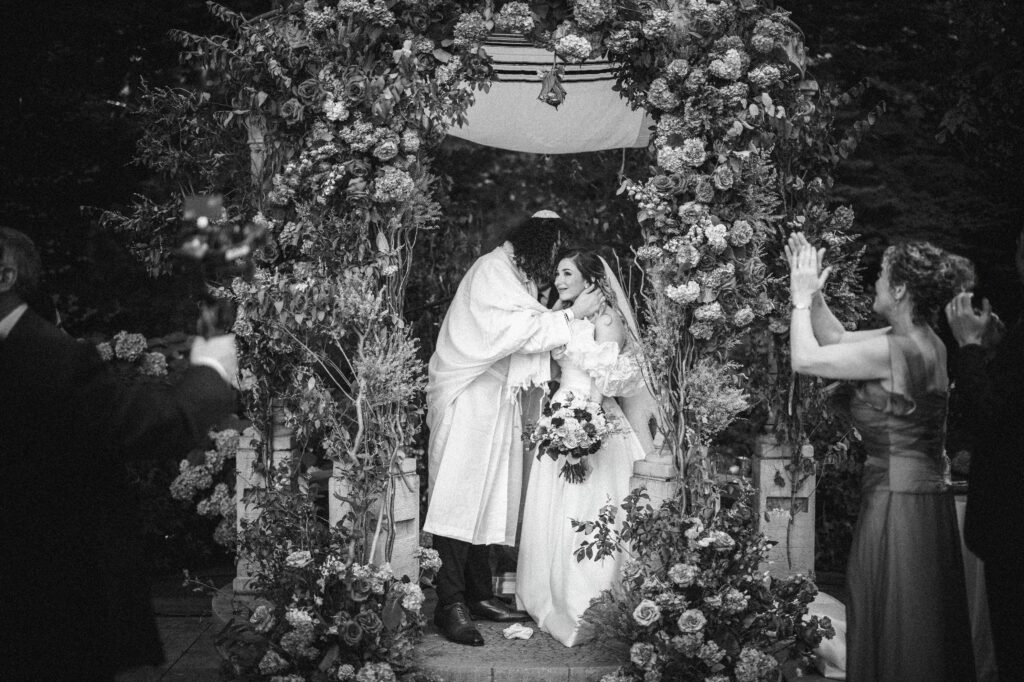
x=534, y=241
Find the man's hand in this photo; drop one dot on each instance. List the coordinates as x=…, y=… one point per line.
x=219, y=353
x=968, y=325
x=587, y=303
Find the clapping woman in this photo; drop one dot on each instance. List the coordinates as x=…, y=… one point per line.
x=907, y=612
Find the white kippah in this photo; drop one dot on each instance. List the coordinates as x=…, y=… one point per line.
x=546, y=214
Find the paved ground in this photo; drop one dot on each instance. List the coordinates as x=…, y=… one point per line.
x=188, y=644
x=187, y=627
x=188, y=624
x=540, y=658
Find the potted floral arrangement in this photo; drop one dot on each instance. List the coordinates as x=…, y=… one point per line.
x=693, y=602
x=322, y=614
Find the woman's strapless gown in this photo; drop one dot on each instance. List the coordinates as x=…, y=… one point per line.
x=551, y=585
x=907, y=617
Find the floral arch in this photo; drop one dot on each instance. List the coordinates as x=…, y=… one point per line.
x=316, y=122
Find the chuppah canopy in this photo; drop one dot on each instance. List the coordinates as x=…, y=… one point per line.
x=509, y=115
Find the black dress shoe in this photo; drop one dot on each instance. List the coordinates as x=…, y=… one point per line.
x=457, y=626
x=496, y=610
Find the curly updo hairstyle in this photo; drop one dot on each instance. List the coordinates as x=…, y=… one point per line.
x=931, y=275
x=534, y=242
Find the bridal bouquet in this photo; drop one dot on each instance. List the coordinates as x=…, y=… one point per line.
x=572, y=426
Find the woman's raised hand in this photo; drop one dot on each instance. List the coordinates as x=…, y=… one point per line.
x=797, y=240
x=806, y=276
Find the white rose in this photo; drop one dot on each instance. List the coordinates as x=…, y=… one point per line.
x=299, y=559
x=692, y=620
x=646, y=613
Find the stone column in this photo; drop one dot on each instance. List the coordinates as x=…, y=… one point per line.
x=246, y=478
x=338, y=488
x=658, y=473
x=403, y=499
x=776, y=505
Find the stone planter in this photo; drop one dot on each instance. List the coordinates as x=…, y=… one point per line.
x=794, y=549
x=246, y=477
x=403, y=500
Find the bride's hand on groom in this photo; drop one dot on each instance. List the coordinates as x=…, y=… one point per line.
x=587, y=303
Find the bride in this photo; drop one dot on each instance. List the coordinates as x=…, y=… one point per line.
x=598, y=362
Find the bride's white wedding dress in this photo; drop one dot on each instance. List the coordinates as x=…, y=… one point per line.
x=551, y=585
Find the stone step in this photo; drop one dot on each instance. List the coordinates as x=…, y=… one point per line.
x=538, y=659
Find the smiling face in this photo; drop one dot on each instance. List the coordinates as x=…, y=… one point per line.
x=569, y=280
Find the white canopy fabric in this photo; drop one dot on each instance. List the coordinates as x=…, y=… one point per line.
x=509, y=115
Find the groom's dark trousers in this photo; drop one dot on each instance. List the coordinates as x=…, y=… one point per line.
x=465, y=574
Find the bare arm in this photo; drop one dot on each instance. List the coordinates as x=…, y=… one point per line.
x=863, y=359
x=828, y=330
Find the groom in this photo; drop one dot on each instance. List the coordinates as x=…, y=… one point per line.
x=494, y=341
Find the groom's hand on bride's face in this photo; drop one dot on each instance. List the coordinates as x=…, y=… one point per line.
x=587, y=303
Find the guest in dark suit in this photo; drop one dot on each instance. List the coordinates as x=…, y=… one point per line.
x=993, y=398
x=74, y=603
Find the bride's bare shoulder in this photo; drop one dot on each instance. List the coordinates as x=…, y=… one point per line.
x=608, y=327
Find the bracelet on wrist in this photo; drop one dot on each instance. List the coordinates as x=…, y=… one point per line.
x=797, y=306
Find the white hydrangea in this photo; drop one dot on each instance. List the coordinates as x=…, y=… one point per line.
x=298, y=618
x=672, y=159
x=335, y=110
x=709, y=312
x=716, y=234
x=573, y=48
x=684, y=293
x=693, y=152
x=728, y=67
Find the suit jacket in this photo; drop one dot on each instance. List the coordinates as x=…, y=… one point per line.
x=993, y=402
x=73, y=596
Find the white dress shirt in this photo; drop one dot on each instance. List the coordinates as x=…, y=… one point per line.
x=11, y=319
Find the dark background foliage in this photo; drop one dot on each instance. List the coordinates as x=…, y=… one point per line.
x=943, y=163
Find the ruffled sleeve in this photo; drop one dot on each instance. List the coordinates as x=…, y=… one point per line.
x=614, y=373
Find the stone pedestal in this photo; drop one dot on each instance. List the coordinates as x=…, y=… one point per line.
x=246, y=478
x=776, y=505
x=658, y=474
x=403, y=499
